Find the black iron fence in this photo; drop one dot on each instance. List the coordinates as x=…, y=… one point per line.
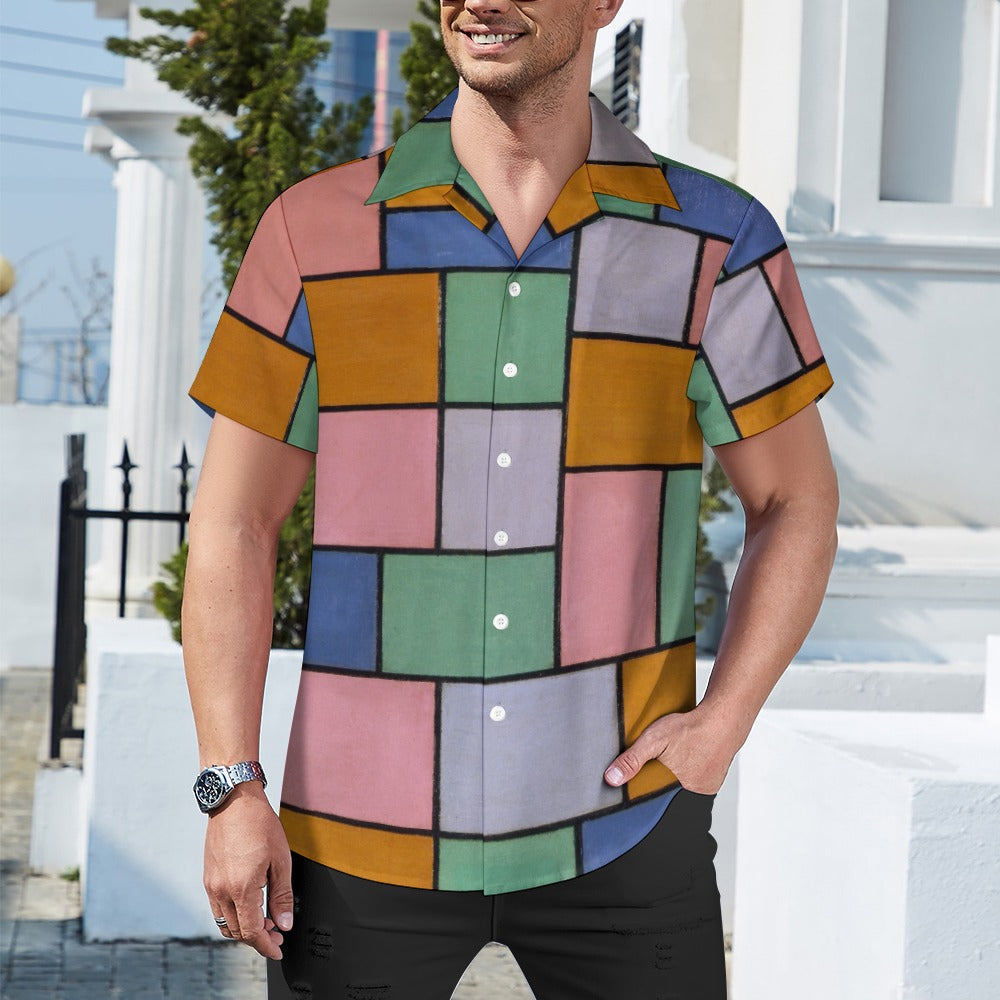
x=71, y=627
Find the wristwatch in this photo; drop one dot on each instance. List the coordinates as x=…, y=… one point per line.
x=216, y=783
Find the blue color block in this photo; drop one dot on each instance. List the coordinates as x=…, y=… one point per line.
x=707, y=204
x=547, y=252
x=444, y=109
x=759, y=235
x=609, y=837
x=436, y=239
x=343, y=610
x=300, y=329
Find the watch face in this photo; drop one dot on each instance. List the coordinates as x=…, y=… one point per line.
x=210, y=788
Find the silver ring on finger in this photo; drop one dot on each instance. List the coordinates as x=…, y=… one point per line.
x=221, y=922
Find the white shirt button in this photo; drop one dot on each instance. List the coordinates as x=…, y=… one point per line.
x=500, y=622
x=498, y=713
x=510, y=369
x=514, y=288
x=503, y=460
x=501, y=538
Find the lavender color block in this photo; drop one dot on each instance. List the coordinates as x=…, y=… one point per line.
x=745, y=338
x=612, y=253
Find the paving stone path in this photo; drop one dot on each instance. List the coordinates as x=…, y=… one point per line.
x=42, y=954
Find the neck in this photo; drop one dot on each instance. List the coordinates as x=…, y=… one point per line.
x=543, y=133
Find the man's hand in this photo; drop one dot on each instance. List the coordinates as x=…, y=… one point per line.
x=698, y=752
x=246, y=851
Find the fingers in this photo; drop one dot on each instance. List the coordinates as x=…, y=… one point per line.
x=245, y=921
x=628, y=763
x=280, y=901
x=253, y=929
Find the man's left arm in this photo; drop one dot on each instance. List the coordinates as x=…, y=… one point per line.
x=785, y=480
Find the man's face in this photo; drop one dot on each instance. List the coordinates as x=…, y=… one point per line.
x=507, y=48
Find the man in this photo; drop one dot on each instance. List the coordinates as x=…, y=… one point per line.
x=506, y=342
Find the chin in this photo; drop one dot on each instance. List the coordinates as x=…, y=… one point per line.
x=494, y=80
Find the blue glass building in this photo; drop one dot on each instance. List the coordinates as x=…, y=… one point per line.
x=365, y=62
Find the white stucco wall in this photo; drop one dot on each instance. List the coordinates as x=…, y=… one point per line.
x=911, y=418
x=689, y=83
x=32, y=457
x=866, y=864
x=141, y=871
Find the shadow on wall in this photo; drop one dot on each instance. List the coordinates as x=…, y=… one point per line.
x=880, y=331
x=864, y=502
x=850, y=347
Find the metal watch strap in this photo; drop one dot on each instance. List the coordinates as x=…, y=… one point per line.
x=246, y=770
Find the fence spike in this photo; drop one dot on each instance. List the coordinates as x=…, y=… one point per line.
x=184, y=465
x=126, y=464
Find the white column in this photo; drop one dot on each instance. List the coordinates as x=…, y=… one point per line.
x=155, y=319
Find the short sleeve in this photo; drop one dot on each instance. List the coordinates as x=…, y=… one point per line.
x=759, y=360
x=260, y=367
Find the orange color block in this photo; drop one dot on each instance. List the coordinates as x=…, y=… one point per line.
x=376, y=338
x=628, y=405
x=575, y=203
x=268, y=373
x=466, y=207
x=400, y=858
x=653, y=686
x=633, y=182
x=428, y=197
x=764, y=413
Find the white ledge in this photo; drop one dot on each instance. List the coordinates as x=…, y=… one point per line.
x=894, y=254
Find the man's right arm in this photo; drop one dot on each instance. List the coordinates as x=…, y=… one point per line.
x=248, y=486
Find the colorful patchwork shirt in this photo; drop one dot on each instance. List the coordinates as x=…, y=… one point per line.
x=508, y=469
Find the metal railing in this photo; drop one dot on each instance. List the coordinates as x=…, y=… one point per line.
x=71, y=627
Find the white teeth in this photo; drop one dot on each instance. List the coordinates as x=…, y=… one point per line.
x=491, y=39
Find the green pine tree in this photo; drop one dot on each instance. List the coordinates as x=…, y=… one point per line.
x=245, y=64
x=429, y=74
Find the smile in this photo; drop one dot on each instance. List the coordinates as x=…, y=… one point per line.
x=491, y=39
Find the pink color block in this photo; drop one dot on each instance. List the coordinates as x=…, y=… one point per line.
x=335, y=231
x=712, y=259
x=781, y=273
x=363, y=748
x=609, y=564
x=268, y=285
x=376, y=478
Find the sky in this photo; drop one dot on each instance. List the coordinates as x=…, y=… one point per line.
x=57, y=203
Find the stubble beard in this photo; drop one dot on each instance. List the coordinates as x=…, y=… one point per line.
x=538, y=81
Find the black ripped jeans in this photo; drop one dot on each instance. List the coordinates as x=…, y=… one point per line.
x=644, y=927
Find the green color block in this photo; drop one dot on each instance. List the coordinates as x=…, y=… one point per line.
x=678, y=547
x=426, y=158
x=460, y=865
x=522, y=588
x=433, y=616
x=304, y=430
x=621, y=206
x=524, y=862
x=716, y=424
x=486, y=327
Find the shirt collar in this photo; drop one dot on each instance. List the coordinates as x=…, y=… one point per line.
x=422, y=171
